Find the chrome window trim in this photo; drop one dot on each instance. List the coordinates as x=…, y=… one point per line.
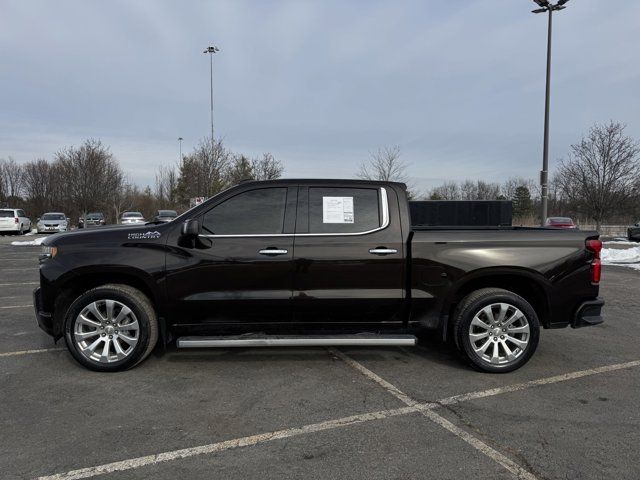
x=384, y=203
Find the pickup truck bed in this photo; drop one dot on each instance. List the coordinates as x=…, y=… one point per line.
x=313, y=257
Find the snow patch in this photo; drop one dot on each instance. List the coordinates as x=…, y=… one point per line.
x=37, y=241
x=627, y=257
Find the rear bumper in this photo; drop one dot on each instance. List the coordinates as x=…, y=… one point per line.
x=10, y=228
x=44, y=319
x=588, y=314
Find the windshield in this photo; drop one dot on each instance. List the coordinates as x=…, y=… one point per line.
x=132, y=215
x=167, y=213
x=560, y=220
x=95, y=216
x=54, y=216
x=6, y=213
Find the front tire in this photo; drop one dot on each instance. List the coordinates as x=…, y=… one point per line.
x=111, y=328
x=497, y=330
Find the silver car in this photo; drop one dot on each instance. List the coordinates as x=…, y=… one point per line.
x=52, y=222
x=132, y=218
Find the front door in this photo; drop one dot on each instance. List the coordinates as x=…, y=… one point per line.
x=240, y=269
x=349, y=257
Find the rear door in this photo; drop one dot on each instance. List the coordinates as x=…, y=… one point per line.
x=7, y=219
x=349, y=257
x=240, y=270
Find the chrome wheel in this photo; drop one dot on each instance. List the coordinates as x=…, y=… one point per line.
x=499, y=334
x=106, y=331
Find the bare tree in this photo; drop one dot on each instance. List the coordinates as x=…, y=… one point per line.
x=267, y=167
x=202, y=172
x=385, y=164
x=601, y=171
x=166, y=185
x=91, y=175
x=446, y=191
x=40, y=186
x=11, y=179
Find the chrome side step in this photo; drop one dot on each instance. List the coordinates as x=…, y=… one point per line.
x=253, y=340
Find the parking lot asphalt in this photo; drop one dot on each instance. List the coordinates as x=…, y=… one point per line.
x=362, y=413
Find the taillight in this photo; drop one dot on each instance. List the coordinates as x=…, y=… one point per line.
x=595, y=246
x=16, y=220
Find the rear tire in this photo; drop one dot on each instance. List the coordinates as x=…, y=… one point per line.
x=111, y=328
x=496, y=330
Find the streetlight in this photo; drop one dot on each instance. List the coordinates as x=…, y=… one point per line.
x=211, y=49
x=180, y=140
x=546, y=6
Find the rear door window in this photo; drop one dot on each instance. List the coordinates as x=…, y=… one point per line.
x=253, y=212
x=343, y=210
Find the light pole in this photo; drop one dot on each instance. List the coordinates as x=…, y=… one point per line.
x=180, y=141
x=211, y=49
x=546, y=6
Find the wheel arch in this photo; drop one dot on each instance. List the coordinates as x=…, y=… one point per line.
x=530, y=285
x=78, y=282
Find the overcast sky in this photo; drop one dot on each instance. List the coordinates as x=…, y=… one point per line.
x=458, y=85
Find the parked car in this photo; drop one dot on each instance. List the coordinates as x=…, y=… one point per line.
x=95, y=219
x=52, y=222
x=560, y=222
x=633, y=232
x=225, y=274
x=14, y=220
x=165, y=215
x=132, y=218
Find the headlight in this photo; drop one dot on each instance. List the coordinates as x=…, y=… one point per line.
x=48, y=252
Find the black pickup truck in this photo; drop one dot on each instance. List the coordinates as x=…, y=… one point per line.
x=313, y=262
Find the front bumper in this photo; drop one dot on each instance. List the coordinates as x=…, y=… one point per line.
x=588, y=314
x=44, y=319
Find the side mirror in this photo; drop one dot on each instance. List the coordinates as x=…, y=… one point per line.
x=190, y=228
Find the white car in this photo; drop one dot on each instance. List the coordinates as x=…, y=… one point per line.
x=14, y=220
x=52, y=222
x=132, y=218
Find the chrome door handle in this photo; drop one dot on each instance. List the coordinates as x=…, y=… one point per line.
x=382, y=251
x=273, y=251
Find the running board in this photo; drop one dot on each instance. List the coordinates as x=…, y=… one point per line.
x=295, y=341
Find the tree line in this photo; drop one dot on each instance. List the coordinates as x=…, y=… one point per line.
x=89, y=178
x=597, y=181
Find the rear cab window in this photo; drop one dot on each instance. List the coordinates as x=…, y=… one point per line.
x=343, y=210
x=7, y=214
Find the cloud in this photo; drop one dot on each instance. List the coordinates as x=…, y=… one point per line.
x=459, y=86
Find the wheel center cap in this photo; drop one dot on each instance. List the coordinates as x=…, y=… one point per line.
x=496, y=331
x=109, y=330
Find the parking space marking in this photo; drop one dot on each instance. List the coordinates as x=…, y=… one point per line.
x=465, y=397
x=28, y=352
x=17, y=306
x=20, y=283
x=518, y=471
x=229, y=444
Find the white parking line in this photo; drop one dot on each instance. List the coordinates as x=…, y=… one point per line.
x=20, y=283
x=28, y=352
x=424, y=408
x=517, y=471
x=536, y=383
x=228, y=444
x=17, y=306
